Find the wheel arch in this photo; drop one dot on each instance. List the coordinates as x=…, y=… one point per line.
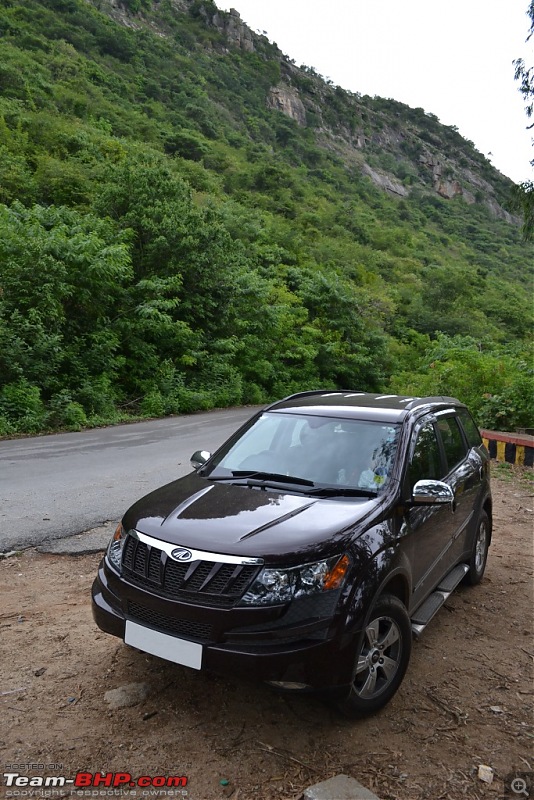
x=395, y=582
x=398, y=586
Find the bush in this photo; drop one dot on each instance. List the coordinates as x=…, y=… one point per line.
x=66, y=412
x=190, y=400
x=6, y=428
x=21, y=406
x=97, y=396
x=153, y=404
x=253, y=394
x=511, y=408
x=496, y=383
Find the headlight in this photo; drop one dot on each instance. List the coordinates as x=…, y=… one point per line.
x=274, y=586
x=116, y=546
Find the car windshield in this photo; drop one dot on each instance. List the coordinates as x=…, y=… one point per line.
x=311, y=450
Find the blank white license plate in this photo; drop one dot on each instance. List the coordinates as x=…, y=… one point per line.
x=181, y=651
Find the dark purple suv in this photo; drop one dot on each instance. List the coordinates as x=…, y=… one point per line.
x=309, y=548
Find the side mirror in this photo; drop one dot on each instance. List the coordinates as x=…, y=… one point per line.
x=427, y=493
x=199, y=458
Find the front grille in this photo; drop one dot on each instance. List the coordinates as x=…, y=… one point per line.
x=200, y=582
x=198, y=631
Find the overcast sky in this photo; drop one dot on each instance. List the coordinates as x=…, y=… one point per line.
x=454, y=59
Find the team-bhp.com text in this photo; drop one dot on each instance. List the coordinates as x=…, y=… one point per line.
x=89, y=780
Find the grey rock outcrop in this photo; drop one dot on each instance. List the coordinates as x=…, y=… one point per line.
x=235, y=30
x=286, y=100
x=385, y=181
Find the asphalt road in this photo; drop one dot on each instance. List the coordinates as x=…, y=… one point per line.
x=59, y=485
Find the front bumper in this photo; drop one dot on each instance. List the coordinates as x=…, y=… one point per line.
x=244, y=642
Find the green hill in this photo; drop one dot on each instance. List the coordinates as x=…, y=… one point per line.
x=190, y=220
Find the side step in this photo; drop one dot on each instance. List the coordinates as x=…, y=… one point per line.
x=433, y=603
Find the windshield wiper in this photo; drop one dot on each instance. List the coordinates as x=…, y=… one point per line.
x=272, y=476
x=262, y=476
x=340, y=491
x=257, y=478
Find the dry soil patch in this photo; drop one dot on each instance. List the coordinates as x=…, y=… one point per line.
x=466, y=700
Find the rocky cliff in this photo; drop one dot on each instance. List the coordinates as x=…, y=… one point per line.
x=396, y=147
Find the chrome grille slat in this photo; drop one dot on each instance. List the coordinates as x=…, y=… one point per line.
x=208, y=582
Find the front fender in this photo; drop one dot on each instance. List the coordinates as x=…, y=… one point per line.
x=380, y=554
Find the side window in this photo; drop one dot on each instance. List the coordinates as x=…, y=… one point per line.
x=426, y=460
x=453, y=443
x=471, y=431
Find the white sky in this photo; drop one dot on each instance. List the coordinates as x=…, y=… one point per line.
x=452, y=58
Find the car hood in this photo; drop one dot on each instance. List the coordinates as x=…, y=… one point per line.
x=253, y=522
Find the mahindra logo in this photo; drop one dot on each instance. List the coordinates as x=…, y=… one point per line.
x=181, y=554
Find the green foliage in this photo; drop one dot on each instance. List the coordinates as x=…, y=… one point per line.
x=61, y=277
x=522, y=198
x=522, y=201
x=169, y=243
x=497, y=383
x=186, y=144
x=21, y=408
x=64, y=412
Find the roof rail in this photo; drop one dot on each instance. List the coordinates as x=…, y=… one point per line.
x=311, y=392
x=428, y=401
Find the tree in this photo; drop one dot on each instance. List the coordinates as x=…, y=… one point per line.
x=523, y=194
x=63, y=279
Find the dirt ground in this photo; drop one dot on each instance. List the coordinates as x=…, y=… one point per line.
x=466, y=700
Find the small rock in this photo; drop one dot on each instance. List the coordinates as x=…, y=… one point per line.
x=485, y=773
x=341, y=787
x=128, y=695
x=497, y=709
x=39, y=672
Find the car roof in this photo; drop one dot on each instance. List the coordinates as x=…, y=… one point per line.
x=361, y=405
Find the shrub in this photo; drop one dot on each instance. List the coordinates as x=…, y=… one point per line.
x=64, y=412
x=496, y=383
x=6, y=428
x=153, y=404
x=21, y=406
x=97, y=396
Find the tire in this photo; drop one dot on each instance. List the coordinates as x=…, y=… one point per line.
x=382, y=658
x=479, y=554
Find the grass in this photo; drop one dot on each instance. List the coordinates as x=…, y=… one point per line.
x=504, y=471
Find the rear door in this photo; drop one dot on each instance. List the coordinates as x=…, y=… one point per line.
x=465, y=475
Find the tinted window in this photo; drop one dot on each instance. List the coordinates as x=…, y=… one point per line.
x=326, y=450
x=471, y=431
x=426, y=459
x=452, y=439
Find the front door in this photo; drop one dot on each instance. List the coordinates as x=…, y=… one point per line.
x=430, y=527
